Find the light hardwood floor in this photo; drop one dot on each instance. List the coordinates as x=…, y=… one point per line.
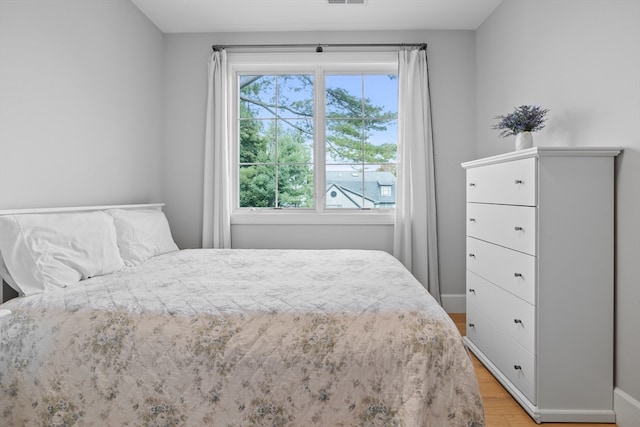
x=500, y=409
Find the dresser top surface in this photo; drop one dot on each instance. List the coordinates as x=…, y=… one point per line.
x=545, y=152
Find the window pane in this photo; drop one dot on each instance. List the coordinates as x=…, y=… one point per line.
x=344, y=141
x=381, y=93
x=257, y=96
x=295, y=141
x=295, y=189
x=295, y=96
x=344, y=188
x=343, y=97
x=381, y=144
x=257, y=186
x=380, y=185
x=255, y=142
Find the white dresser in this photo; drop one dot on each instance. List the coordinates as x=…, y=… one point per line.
x=540, y=226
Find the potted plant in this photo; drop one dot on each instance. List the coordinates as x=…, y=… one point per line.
x=521, y=122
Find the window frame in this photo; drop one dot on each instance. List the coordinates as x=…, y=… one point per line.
x=318, y=64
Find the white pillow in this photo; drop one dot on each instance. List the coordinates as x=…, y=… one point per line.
x=42, y=251
x=142, y=234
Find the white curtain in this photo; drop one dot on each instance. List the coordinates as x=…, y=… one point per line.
x=216, y=213
x=415, y=234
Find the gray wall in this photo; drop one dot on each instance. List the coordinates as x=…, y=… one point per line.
x=580, y=59
x=452, y=75
x=80, y=104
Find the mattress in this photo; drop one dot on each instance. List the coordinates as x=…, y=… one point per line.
x=238, y=338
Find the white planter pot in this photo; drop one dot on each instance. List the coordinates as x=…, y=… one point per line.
x=524, y=140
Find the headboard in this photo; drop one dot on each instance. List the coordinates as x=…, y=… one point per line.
x=80, y=209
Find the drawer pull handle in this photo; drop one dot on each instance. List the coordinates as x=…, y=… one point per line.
x=517, y=367
x=472, y=184
x=472, y=220
x=518, y=181
x=517, y=274
x=472, y=255
x=472, y=325
x=518, y=228
x=472, y=290
x=517, y=321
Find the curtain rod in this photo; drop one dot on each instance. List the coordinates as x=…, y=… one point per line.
x=319, y=46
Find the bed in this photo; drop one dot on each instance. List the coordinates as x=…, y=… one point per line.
x=215, y=337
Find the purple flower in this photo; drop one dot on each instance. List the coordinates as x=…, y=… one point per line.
x=526, y=118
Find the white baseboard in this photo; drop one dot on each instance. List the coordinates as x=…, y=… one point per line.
x=454, y=303
x=627, y=409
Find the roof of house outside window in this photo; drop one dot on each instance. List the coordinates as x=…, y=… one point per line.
x=351, y=185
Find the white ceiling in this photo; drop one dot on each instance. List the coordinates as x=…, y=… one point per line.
x=188, y=16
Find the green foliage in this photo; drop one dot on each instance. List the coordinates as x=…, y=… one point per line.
x=259, y=167
x=251, y=144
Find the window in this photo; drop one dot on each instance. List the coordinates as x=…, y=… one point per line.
x=315, y=136
x=276, y=141
x=360, y=121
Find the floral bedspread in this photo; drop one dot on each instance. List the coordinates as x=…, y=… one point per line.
x=238, y=338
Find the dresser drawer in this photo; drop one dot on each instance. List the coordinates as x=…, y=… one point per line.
x=517, y=364
x=511, y=183
x=510, y=226
x=512, y=315
x=511, y=270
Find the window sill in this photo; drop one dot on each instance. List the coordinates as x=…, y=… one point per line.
x=279, y=217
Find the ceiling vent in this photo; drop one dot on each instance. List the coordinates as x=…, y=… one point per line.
x=346, y=1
